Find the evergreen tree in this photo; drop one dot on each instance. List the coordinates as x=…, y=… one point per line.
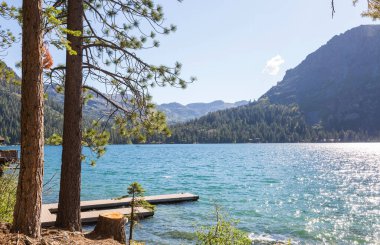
x=26, y=218
x=68, y=215
x=111, y=35
x=136, y=191
x=7, y=38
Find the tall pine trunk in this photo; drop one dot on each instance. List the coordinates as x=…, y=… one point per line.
x=27, y=212
x=68, y=216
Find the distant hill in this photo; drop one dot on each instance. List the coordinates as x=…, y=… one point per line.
x=335, y=91
x=95, y=108
x=176, y=112
x=256, y=122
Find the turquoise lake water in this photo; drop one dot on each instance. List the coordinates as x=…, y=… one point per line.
x=309, y=193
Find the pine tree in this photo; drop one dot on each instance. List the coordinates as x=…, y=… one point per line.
x=68, y=215
x=7, y=38
x=109, y=38
x=26, y=218
x=136, y=191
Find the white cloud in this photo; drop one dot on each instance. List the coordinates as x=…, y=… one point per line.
x=273, y=65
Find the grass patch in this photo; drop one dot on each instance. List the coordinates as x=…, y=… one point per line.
x=8, y=187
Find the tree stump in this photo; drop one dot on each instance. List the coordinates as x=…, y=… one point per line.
x=111, y=225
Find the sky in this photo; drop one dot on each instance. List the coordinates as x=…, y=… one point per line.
x=237, y=49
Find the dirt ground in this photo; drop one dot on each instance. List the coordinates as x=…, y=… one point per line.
x=49, y=237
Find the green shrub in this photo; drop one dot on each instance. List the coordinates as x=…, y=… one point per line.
x=8, y=187
x=224, y=232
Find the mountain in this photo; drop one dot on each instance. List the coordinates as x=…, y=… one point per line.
x=176, y=112
x=335, y=92
x=256, y=122
x=10, y=110
x=339, y=84
x=94, y=108
x=259, y=121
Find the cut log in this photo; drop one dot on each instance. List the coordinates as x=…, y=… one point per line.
x=111, y=225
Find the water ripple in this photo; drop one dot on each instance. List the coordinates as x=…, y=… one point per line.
x=309, y=193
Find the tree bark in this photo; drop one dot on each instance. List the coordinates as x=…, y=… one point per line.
x=27, y=212
x=68, y=216
x=132, y=224
x=110, y=225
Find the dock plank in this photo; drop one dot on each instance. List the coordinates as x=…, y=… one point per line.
x=92, y=209
x=92, y=216
x=110, y=203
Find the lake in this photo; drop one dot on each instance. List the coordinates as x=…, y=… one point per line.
x=309, y=193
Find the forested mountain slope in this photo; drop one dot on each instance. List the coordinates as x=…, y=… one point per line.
x=338, y=85
x=257, y=122
x=10, y=112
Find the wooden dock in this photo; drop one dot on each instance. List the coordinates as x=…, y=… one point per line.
x=6, y=158
x=92, y=209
